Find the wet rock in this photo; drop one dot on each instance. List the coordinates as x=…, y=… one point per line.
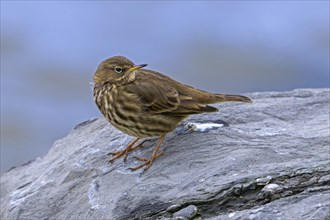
x=270, y=160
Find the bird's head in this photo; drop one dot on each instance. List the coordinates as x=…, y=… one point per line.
x=117, y=70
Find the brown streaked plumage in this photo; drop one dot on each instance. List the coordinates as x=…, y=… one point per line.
x=144, y=103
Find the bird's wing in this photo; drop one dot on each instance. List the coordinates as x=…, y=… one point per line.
x=154, y=98
x=157, y=96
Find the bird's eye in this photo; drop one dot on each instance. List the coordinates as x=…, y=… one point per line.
x=118, y=69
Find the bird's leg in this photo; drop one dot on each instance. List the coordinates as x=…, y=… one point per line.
x=148, y=162
x=129, y=148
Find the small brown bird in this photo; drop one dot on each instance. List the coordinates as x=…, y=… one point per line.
x=144, y=103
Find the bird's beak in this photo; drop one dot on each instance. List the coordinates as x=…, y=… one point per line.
x=136, y=67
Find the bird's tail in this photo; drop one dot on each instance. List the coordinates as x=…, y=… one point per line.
x=231, y=98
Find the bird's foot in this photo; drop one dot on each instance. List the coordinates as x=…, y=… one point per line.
x=147, y=162
x=118, y=154
x=146, y=159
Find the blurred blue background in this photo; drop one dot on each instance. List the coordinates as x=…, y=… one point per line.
x=50, y=50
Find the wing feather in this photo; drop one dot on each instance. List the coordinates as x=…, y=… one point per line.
x=157, y=98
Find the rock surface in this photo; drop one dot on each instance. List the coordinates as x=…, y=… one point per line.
x=270, y=161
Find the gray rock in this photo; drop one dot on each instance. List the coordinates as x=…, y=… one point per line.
x=266, y=160
x=188, y=212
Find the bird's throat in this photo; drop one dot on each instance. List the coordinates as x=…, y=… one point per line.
x=125, y=79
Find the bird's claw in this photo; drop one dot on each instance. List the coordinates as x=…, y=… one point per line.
x=147, y=162
x=118, y=154
x=146, y=159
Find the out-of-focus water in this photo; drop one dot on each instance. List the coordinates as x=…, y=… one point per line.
x=50, y=50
